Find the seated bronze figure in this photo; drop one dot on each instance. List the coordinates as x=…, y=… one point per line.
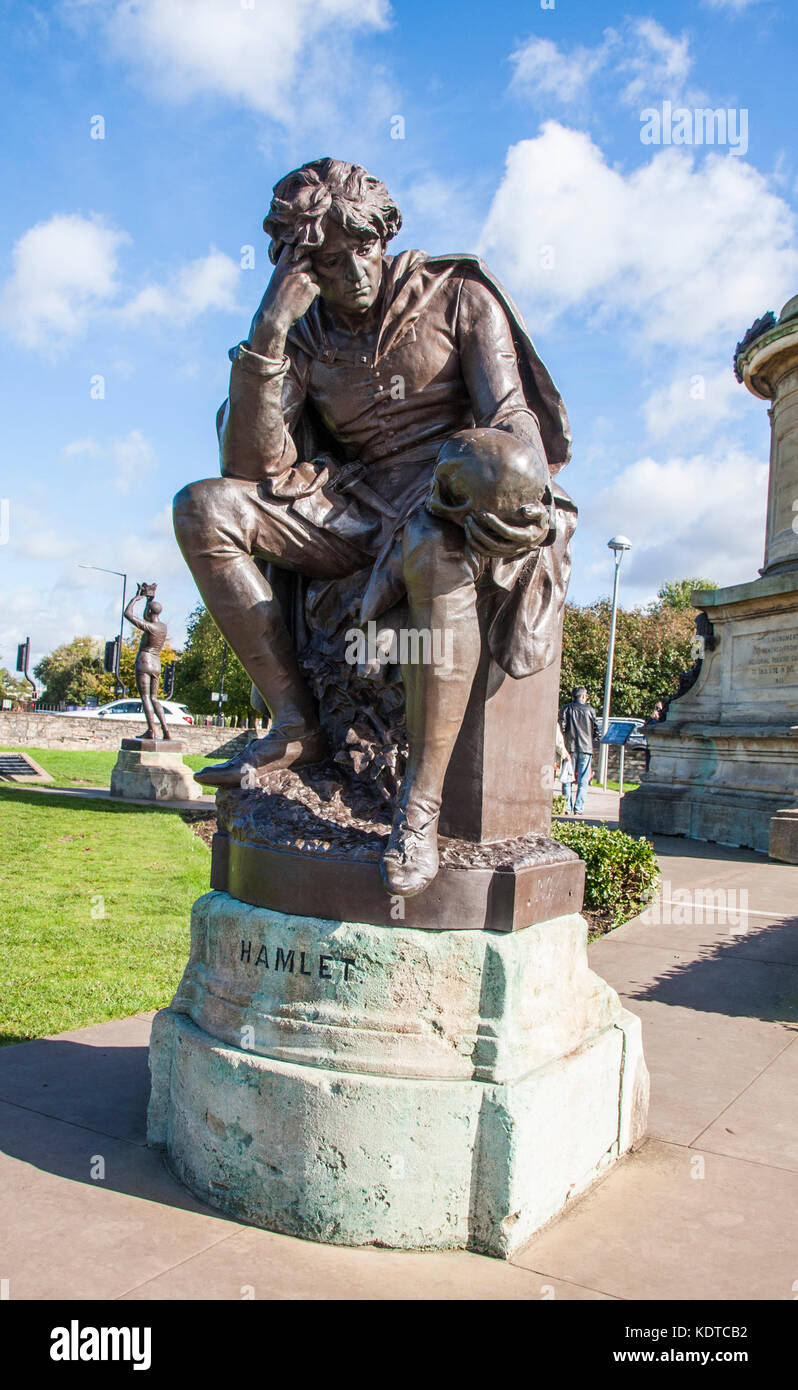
x=388, y=418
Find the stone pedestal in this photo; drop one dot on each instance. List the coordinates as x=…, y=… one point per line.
x=500, y=780
x=724, y=765
x=388, y=1085
x=149, y=769
x=725, y=762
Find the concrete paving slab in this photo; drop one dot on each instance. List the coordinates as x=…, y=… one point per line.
x=655, y=1229
x=698, y=929
x=267, y=1267
x=771, y=887
x=68, y=1236
x=762, y=1123
x=96, y=1077
x=699, y=1064
x=706, y=1031
x=720, y=981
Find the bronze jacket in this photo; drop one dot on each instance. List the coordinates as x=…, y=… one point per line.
x=449, y=350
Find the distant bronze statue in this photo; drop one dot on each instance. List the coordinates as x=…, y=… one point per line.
x=390, y=430
x=148, y=658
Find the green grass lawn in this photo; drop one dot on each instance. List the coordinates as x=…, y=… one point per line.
x=94, y=907
x=88, y=767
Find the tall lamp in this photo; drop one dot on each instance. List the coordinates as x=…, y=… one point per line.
x=618, y=544
x=120, y=689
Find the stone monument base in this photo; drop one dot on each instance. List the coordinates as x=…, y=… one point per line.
x=724, y=765
x=149, y=769
x=369, y=1085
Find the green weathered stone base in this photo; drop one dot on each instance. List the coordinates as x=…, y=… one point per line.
x=148, y=776
x=374, y=1085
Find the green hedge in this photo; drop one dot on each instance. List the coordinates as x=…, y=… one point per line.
x=621, y=873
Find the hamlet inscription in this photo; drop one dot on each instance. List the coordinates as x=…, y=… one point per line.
x=766, y=659
x=289, y=961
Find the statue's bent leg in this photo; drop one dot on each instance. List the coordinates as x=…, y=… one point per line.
x=221, y=524
x=444, y=644
x=143, y=681
x=155, y=681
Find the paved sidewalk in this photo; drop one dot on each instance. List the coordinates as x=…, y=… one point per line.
x=705, y=1209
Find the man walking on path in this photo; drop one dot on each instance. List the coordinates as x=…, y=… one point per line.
x=580, y=730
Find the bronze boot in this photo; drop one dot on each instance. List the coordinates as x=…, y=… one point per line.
x=279, y=749
x=410, y=861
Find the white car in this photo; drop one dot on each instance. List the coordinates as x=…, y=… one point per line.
x=132, y=709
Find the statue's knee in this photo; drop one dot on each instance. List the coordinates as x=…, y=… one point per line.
x=193, y=510
x=433, y=554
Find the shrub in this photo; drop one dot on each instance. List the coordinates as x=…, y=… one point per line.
x=558, y=804
x=621, y=873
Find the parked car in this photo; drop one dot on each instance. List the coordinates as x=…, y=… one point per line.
x=132, y=709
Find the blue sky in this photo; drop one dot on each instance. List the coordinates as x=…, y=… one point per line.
x=637, y=266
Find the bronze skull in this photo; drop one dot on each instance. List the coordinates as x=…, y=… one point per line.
x=496, y=487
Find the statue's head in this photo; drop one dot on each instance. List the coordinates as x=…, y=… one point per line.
x=343, y=218
x=152, y=608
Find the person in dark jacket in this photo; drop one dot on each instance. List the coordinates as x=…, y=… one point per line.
x=580, y=730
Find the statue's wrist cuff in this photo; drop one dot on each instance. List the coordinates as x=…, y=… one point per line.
x=255, y=363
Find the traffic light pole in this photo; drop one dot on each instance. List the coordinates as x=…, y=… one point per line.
x=23, y=660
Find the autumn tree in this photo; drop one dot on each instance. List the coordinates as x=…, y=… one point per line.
x=199, y=669
x=653, y=646
x=74, y=672
x=675, y=593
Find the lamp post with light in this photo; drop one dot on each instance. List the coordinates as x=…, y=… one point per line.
x=618, y=544
x=120, y=688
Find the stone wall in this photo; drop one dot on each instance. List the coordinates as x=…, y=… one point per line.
x=37, y=729
x=634, y=764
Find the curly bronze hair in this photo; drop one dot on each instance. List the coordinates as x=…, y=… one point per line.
x=328, y=188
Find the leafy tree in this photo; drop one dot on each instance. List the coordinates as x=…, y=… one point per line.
x=675, y=593
x=199, y=669
x=652, y=649
x=74, y=672
x=127, y=665
x=13, y=687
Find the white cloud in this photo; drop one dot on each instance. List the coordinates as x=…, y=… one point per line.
x=132, y=458
x=542, y=69
x=207, y=283
x=65, y=278
x=658, y=62
x=703, y=514
x=79, y=447
x=267, y=56
x=736, y=6
x=126, y=461
x=64, y=270
x=676, y=251
x=695, y=402
x=655, y=64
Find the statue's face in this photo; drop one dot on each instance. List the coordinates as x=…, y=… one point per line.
x=348, y=268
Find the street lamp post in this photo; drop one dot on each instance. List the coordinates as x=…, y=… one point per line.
x=618, y=544
x=120, y=689
x=221, y=685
